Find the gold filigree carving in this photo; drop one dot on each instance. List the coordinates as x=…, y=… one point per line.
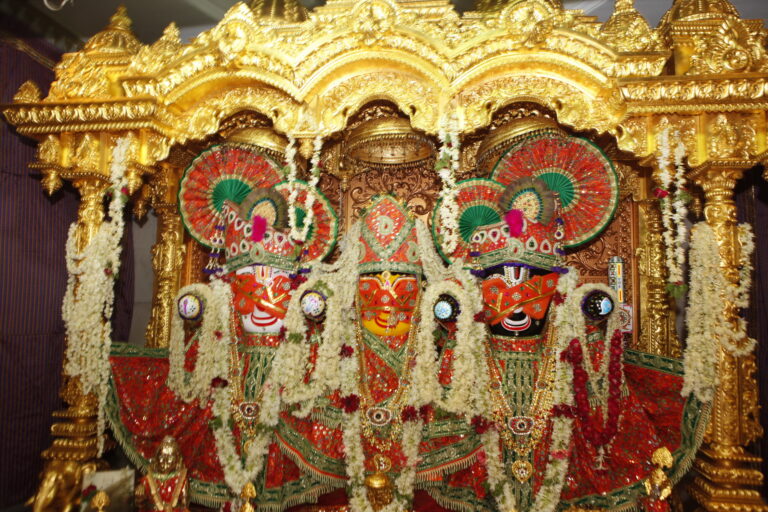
x=87, y=154
x=632, y=136
x=572, y=106
x=731, y=47
x=28, y=92
x=167, y=255
x=97, y=116
x=657, y=322
x=679, y=95
x=203, y=119
x=629, y=183
x=152, y=58
x=413, y=95
x=91, y=73
x=627, y=31
x=48, y=161
x=731, y=137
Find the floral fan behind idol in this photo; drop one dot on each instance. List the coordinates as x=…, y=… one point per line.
x=232, y=200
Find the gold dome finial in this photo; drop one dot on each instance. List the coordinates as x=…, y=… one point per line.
x=692, y=10
x=627, y=31
x=288, y=10
x=623, y=6
x=120, y=19
x=116, y=38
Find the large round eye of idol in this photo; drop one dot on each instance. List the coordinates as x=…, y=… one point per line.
x=313, y=305
x=597, y=305
x=190, y=307
x=446, y=309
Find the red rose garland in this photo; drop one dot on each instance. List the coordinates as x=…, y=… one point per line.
x=597, y=433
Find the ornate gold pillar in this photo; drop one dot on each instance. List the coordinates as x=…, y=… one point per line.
x=727, y=476
x=75, y=445
x=84, y=159
x=167, y=254
x=657, y=328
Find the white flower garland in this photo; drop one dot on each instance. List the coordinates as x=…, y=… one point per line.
x=565, y=324
x=499, y=484
x=213, y=352
x=469, y=393
x=300, y=233
x=339, y=281
x=89, y=298
x=707, y=325
x=349, y=369
x=236, y=472
x=411, y=439
x=673, y=206
x=747, y=242
x=447, y=166
x=293, y=176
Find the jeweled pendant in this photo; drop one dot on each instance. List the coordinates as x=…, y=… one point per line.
x=522, y=469
x=520, y=425
x=379, y=416
x=249, y=410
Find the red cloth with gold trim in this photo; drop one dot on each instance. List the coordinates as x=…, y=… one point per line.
x=389, y=240
x=166, y=491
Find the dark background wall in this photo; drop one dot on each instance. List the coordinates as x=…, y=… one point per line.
x=33, y=229
x=752, y=202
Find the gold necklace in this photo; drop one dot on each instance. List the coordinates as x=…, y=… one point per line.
x=523, y=433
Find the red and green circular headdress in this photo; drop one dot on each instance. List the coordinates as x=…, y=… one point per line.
x=576, y=170
x=232, y=198
x=548, y=191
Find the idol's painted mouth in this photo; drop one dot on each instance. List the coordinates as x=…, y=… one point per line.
x=383, y=324
x=262, y=319
x=518, y=321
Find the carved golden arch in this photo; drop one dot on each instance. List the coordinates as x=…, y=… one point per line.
x=581, y=104
x=411, y=90
x=200, y=110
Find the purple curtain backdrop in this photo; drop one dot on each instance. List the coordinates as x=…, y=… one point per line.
x=752, y=202
x=33, y=231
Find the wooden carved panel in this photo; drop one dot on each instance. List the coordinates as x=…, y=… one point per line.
x=417, y=188
x=619, y=239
